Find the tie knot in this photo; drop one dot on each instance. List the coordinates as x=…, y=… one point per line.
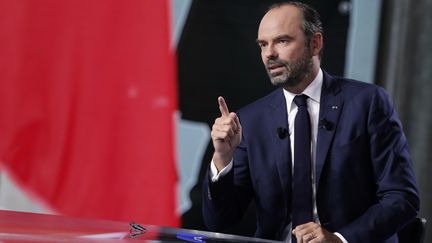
x=300, y=100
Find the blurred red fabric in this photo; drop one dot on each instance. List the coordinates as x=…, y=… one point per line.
x=87, y=102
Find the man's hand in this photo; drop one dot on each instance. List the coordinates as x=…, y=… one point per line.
x=226, y=135
x=313, y=233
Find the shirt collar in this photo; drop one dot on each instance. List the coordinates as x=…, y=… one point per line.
x=313, y=91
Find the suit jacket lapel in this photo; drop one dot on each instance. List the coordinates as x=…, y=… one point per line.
x=281, y=145
x=331, y=106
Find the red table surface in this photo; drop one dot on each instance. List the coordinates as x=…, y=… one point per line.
x=31, y=227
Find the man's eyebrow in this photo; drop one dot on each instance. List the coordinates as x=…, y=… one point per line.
x=279, y=37
x=285, y=36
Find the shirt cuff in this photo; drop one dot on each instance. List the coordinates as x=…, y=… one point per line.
x=214, y=175
x=340, y=237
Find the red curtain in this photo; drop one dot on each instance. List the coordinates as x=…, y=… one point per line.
x=87, y=102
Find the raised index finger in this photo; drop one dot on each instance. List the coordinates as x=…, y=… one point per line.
x=223, y=106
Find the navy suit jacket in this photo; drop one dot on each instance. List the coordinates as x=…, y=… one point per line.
x=366, y=187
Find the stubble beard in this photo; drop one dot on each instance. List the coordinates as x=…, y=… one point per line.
x=293, y=72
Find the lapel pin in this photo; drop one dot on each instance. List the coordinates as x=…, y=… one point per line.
x=335, y=107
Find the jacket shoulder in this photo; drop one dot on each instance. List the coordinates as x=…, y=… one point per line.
x=264, y=103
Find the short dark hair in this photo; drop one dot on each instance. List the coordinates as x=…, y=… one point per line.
x=311, y=19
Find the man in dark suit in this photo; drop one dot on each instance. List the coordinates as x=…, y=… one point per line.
x=359, y=184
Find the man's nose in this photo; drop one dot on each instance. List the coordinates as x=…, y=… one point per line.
x=271, y=52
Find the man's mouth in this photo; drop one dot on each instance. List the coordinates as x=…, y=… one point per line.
x=273, y=68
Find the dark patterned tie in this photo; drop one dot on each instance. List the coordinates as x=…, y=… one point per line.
x=302, y=181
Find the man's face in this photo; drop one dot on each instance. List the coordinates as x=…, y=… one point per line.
x=284, y=52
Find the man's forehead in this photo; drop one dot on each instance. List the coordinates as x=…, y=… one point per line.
x=281, y=19
x=284, y=13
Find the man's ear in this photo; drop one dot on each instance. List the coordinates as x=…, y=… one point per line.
x=316, y=44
